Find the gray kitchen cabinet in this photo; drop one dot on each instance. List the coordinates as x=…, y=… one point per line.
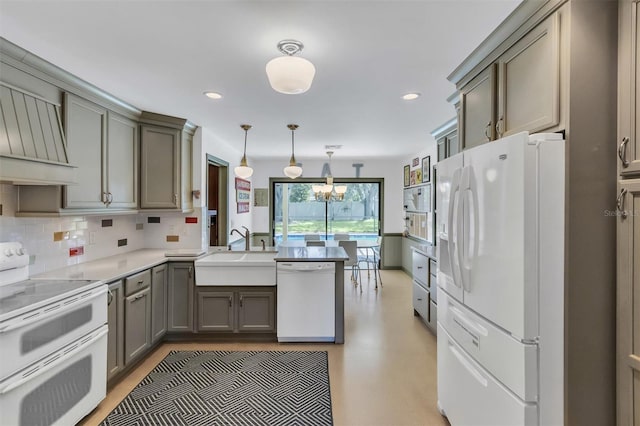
x=478, y=109
x=121, y=162
x=424, y=290
x=256, y=311
x=115, y=337
x=236, y=309
x=628, y=303
x=85, y=126
x=180, y=298
x=628, y=89
x=216, y=311
x=529, y=82
x=137, y=330
x=165, y=163
x=519, y=91
x=446, y=137
x=158, y=302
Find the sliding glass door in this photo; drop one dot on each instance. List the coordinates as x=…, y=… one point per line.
x=297, y=211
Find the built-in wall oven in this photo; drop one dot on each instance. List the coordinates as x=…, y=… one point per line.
x=53, y=340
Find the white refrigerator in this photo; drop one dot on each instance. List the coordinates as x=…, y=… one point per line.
x=500, y=249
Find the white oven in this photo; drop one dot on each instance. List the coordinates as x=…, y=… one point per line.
x=53, y=345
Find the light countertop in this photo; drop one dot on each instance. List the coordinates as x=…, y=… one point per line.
x=311, y=254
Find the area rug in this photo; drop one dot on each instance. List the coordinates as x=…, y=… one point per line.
x=231, y=388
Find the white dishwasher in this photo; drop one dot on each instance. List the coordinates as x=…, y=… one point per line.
x=306, y=301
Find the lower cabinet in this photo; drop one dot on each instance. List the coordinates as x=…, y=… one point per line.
x=158, y=302
x=236, y=309
x=137, y=330
x=115, y=321
x=181, y=282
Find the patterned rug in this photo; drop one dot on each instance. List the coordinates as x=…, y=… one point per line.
x=231, y=388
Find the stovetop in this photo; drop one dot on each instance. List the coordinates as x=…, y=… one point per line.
x=23, y=296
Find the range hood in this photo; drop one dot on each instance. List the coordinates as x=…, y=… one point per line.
x=32, y=145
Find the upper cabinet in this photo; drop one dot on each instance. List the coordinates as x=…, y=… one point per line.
x=446, y=137
x=629, y=89
x=518, y=91
x=104, y=145
x=165, y=163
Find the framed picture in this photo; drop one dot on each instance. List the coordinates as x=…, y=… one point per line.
x=415, y=162
x=406, y=175
x=418, y=176
x=426, y=169
x=243, y=195
x=413, y=177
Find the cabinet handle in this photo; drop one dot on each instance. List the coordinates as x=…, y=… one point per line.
x=110, y=198
x=230, y=301
x=110, y=297
x=175, y=198
x=103, y=197
x=241, y=301
x=419, y=267
x=620, y=203
x=190, y=271
x=140, y=282
x=486, y=130
x=419, y=299
x=622, y=152
x=499, y=126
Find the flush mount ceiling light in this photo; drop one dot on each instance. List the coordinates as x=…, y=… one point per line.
x=290, y=74
x=410, y=96
x=213, y=95
x=292, y=170
x=243, y=170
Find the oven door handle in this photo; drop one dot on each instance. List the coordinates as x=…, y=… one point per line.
x=62, y=307
x=96, y=335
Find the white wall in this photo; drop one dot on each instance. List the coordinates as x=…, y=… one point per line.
x=389, y=168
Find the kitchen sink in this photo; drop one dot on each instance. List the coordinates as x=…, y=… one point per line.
x=240, y=268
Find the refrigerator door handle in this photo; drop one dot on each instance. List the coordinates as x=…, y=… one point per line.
x=453, y=242
x=468, y=366
x=470, y=222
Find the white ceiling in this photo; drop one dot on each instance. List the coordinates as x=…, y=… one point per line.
x=161, y=56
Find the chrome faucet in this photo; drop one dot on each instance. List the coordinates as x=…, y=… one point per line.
x=245, y=236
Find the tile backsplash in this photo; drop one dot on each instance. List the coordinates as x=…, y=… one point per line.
x=49, y=240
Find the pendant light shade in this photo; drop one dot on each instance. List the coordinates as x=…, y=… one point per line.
x=290, y=74
x=243, y=170
x=292, y=170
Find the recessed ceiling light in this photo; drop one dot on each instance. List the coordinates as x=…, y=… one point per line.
x=410, y=96
x=213, y=95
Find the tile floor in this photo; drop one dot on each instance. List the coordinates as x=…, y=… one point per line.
x=384, y=374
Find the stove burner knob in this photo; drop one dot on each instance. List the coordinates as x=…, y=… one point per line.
x=8, y=252
x=20, y=252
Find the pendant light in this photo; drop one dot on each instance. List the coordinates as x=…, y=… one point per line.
x=243, y=170
x=292, y=170
x=329, y=191
x=290, y=74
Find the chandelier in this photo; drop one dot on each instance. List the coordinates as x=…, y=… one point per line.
x=290, y=74
x=329, y=191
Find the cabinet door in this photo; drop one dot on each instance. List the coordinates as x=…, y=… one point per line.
x=185, y=198
x=478, y=108
x=180, y=312
x=629, y=88
x=137, y=334
x=159, y=167
x=453, y=147
x=419, y=269
x=215, y=311
x=85, y=127
x=115, y=337
x=256, y=311
x=529, y=81
x=442, y=148
x=122, y=162
x=158, y=302
x=628, y=276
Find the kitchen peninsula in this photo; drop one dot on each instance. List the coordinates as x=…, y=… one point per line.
x=310, y=283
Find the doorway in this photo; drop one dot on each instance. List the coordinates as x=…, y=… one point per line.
x=217, y=196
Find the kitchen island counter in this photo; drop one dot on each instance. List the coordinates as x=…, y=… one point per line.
x=311, y=254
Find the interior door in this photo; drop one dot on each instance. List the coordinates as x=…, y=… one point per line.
x=499, y=216
x=448, y=202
